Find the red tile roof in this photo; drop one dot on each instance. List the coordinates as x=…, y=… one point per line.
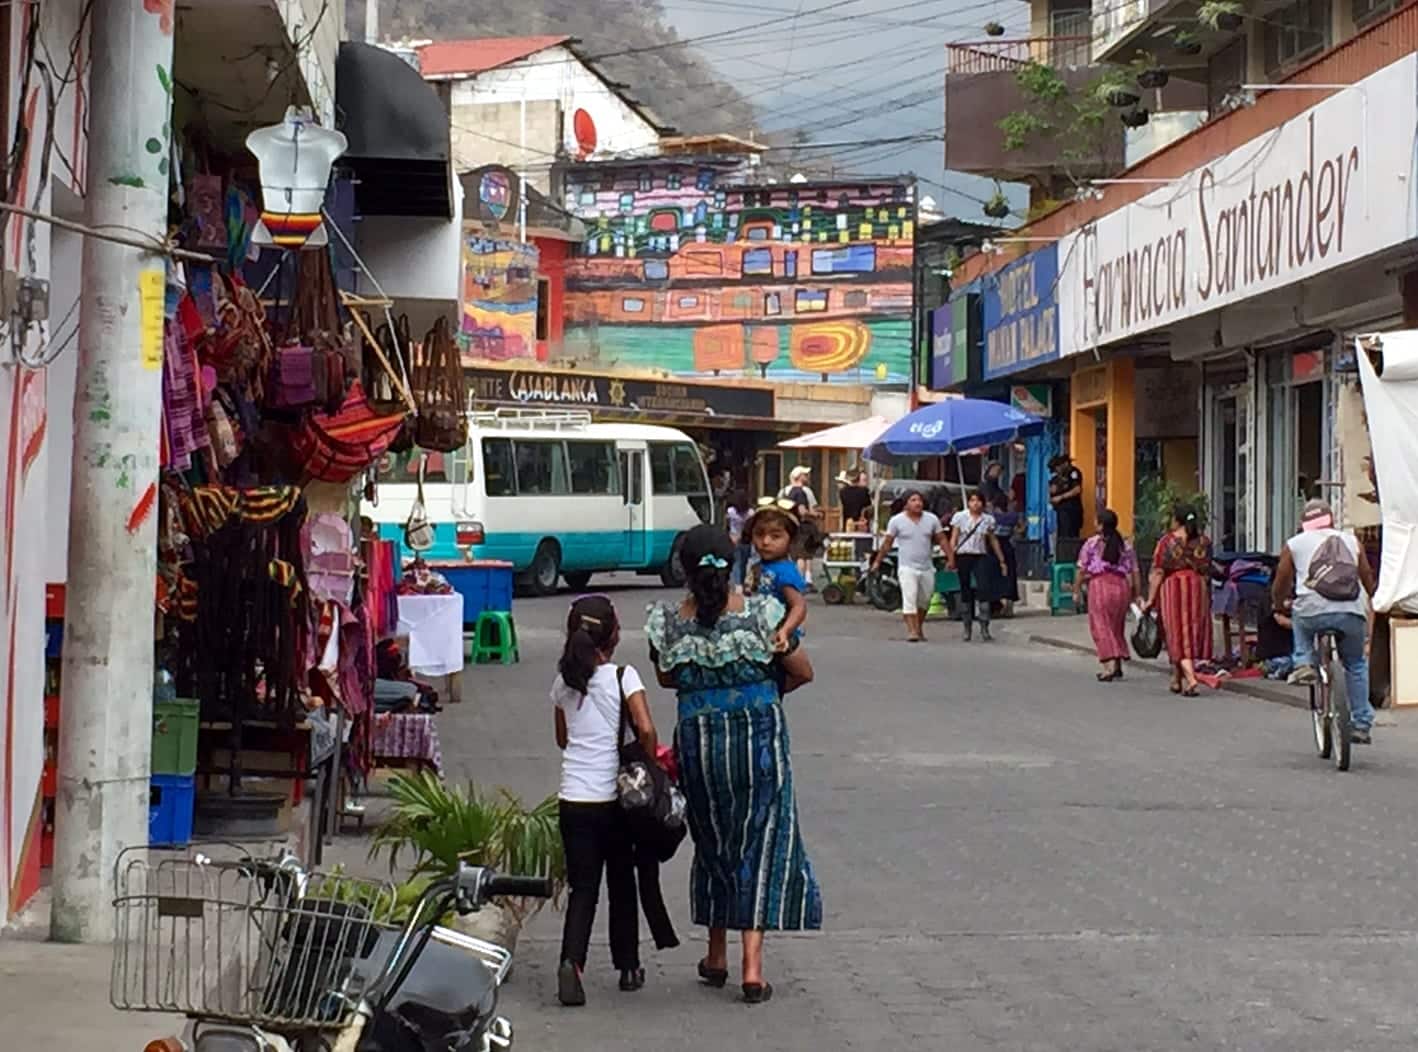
x=444, y=58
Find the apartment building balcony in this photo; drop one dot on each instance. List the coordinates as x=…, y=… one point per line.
x=982, y=88
x=992, y=56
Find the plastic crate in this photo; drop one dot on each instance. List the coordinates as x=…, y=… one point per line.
x=170, y=803
x=175, y=737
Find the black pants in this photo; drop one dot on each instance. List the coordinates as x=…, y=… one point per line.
x=595, y=838
x=979, y=575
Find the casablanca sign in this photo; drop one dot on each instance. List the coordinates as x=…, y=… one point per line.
x=1326, y=188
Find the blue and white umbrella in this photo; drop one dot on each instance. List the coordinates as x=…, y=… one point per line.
x=955, y=425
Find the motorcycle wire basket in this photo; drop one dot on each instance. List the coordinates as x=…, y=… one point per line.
x=243, y=942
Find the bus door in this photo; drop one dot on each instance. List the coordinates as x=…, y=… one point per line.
x=634, y=483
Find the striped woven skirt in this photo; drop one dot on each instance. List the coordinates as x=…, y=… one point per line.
x=750, y=869
x=1186, y=616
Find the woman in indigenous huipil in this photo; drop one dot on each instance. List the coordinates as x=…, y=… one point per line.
x=1109, y=567
x=1180, y=586
x=750, y=872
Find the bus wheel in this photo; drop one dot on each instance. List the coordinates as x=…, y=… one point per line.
x=545, y=570
x=577, y=580
x=672, y=573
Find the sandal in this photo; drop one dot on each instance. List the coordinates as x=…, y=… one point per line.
x=757, y=993
x=715, y=977
x=1191, y=692
x=1105, y=677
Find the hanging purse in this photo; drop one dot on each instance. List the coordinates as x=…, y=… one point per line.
x=418, y=531
x=294, y=384
x=442, y=424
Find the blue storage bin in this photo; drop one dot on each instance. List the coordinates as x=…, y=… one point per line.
x=53, y=638
x=170, y=803
x=482, y=587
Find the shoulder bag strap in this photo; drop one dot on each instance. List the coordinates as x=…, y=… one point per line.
x=624, y=721
x=973, y=530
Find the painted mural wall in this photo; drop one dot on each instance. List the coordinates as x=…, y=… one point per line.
x=499, y=299
x=687, y=269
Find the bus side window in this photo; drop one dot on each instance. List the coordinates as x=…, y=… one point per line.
x=499, y=467
x=662, y=474
x=594, y=468
x=541, y=468
x=689, y=476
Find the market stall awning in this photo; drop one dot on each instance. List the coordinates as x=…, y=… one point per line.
x=398, y=134
x=857, y=435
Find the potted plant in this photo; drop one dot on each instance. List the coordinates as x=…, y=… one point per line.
x=997, y=207
x=443, y=825
x=1156, y=498
x=1121, y=97
x=1152, y=77
x=1134, y=118
x=1186, y=43
x=994, y=29
x=1221, y=15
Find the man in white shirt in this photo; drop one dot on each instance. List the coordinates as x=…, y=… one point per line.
x=915, y=532
x=1331, y=587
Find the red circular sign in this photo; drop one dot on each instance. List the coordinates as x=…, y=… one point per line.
x=584, y=128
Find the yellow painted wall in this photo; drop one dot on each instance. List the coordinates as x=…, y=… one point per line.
x=1106, y=392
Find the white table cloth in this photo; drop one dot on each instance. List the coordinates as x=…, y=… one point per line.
x=434, y=627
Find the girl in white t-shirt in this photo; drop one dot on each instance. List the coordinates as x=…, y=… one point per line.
x=587, y=695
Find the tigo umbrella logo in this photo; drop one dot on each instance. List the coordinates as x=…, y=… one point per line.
x=930, y=430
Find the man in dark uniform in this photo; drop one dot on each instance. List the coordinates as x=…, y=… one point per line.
x=1066, y=495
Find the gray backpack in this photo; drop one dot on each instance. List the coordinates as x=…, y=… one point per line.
x=1334, y=573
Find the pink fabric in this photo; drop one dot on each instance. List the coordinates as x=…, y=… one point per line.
x=182, y=400
x=1091, y=562
x=1108, y=598
x=406, y=736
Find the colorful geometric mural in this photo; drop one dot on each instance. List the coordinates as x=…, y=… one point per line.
x=499, y=299
x=689, y=268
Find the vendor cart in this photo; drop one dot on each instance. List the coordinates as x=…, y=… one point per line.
x=846, y=558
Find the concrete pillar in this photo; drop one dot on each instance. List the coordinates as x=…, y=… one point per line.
x=1122, y=443
x=105, y=736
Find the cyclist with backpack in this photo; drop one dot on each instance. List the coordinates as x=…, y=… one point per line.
x=1326, y=572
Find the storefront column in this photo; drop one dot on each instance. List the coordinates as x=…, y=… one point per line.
x=1122, y=443
x=1103, y=399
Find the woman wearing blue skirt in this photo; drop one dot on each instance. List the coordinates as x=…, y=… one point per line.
x=751, y=873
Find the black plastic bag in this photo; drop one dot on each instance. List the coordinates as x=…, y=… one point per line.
x=1147, y=639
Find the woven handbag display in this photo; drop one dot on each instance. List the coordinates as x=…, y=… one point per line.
x=439, y=390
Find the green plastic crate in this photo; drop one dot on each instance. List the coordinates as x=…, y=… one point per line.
x=175, y=737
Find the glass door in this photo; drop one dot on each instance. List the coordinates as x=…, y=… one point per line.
x=1226, y=493
x=632, y=475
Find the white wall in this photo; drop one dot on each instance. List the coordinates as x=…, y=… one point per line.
x=321, y=40
x=420, y=259
x=557, y=75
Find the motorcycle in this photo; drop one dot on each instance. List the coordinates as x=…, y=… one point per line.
x=262, y=956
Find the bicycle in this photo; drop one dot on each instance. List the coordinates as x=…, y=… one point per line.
x=1329, y=704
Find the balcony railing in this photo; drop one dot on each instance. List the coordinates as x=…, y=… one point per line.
x=992, y=56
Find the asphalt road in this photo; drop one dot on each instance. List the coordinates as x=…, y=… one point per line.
x=1014, y=857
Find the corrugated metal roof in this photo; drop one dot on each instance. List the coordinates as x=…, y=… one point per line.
x=450, y=58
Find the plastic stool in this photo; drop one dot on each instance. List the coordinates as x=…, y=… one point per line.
x=495, y=639
x=1061, y=589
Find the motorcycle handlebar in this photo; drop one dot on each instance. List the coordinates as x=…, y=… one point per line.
x=495, y=886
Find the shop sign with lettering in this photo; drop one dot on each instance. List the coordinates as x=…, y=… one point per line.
x=1328, y=187
x=1021, y=314
x=612, y=395
x=955, y=331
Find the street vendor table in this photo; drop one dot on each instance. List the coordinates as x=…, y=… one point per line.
x=434, y=626
x=406, y=739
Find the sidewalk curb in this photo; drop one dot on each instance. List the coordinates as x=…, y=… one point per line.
x=1246, y=687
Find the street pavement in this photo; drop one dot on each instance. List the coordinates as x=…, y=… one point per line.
x=1015, y=857
x=1012, y=856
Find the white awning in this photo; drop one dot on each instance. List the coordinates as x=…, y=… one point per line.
x=857, y=435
